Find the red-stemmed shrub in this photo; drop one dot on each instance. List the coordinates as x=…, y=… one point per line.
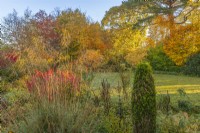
x=7, y=59
x=54, y=85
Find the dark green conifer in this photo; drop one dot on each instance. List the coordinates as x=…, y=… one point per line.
x=144, y=100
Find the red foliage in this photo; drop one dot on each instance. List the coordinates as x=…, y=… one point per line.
x=46, y=25
x=8, y=58
x=51, y=83
x=12, y=57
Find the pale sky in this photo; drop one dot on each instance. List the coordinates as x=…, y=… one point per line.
x=93, y=8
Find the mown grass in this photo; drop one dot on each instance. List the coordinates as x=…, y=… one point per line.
x=173, y=82
x=163, y=82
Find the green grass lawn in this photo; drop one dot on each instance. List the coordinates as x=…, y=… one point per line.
x=163, y=82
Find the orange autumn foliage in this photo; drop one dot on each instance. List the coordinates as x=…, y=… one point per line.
x=92, y=59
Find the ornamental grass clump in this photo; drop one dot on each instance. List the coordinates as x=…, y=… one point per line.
x=144, y=100
x=54, y=85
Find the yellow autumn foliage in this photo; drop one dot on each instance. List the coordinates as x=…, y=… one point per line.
x=92, y=59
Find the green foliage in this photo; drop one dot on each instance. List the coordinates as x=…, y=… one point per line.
x=105, y=96
x=113, y=124
x=144, y=100
x=125, y=78
x=118, y=120
x=181, y=92
x=15, y=95
x=150, y=9
x=9, y=74
x=164, y=103
x=69, y=52
x=56, y=117
x=192, y=66
x=196, y=109
x=73, y=50
x=160, y=61
x=178, y=123
x=2, y=86
x=88, y=77
x=184, y=105
x=8, y=70
x=14, y=103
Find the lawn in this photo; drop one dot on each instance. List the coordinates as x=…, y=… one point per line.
x=163, y=82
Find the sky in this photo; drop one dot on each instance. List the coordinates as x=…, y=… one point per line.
x=95, y=9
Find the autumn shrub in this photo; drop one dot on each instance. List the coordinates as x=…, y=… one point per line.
x=192, y=66
x=8, y=71
x=36, y=56
x=14, y=103
x=144, y=100
x=113, y=124
x=180, y=122
x=118, y=118
x=92, y=59
x=137, y=56
x=54, y=85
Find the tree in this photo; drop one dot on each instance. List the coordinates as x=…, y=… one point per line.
x=74, y=25
x=118, y=20
x=171, y=9
x=119, y=17
x=192, y=66
x=160, y=61
x=23, y=36
x=144, y=100
x=97, y=37
x=16, y=30
x=168, y=22
x=46, y=27
x=185, y=39
x=92, y=59
x=46, y=39
x=137, y=56
x=183, y=42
